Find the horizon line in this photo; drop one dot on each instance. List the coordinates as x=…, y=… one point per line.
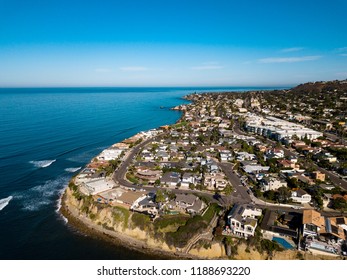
x=197, y=86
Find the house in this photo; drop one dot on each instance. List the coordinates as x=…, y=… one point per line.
x=261, y=148
x=220, y=182
x=243, y=220
x=96, y=186
x=285, y=163
x=196, y=208
x=209, y=182
x=130, y=198
x=190, y=203
x=213, y=168
x=215, y=181
x=147, y=156
x=144, y=173
x=274, y=153
x=305, y=179
x=162, y=155
x=145, y=204
x=225, y=156
x=326, y=187
x=315, y=225
x=242, y=156
x=312, y=223
x=110, y=154
x=298, y=144
x=300, y=196
x=269, y=226
x=187, y=179
x=181, y=156
x=329, y=157
x=170, y=179
x=325, y=157
x=255, y=168
x=293, y=159
x=271, y=183
x=317, y=175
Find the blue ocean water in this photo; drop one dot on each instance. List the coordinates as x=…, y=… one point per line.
x=48, y=133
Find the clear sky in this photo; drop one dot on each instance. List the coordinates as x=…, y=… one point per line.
x=171, y=42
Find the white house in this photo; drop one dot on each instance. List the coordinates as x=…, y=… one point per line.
x=147, y=156
x=300, y=196
x=241, y=156
x=226, y=155
x=97, y=185
x=110, y=154
x=243, y=220
x=255, y=168
x=187, y=179
x=274, y=153
x=268, y=184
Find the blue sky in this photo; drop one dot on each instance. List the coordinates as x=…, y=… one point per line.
x=171, y=43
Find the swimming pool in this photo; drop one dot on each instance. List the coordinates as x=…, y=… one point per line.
x=284, y=243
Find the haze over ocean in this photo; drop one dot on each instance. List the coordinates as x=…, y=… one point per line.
x=49, y=134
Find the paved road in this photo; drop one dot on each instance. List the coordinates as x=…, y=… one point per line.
x=241, y=191
x=118, y=175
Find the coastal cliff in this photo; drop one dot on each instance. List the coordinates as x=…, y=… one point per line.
x=131, y=229
x=115, y=222
x=134, y=230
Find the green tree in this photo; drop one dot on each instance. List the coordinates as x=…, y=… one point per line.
x=271, y=194
x=157, y=182
x=159, y=197
x=340, y=203
x=283, y=194
x=228, y=190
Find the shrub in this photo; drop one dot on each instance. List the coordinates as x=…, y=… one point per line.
x=184, y=233
x=120, y=215
x=140, y=220
x=166, y=221
x=72, y=186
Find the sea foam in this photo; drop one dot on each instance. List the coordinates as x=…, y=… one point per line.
x=42, y=163
x=4, y=202
x=39, y=196
x=72, y=169
x=59, y=204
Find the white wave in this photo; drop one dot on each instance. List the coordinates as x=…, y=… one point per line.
x=4, y=202
x=42, y=163
x=61, y=192
x=64, y=219
x=59, y=204
x=40, y=196
x=72, y=169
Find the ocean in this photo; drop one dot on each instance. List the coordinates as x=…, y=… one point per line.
x=46, y=136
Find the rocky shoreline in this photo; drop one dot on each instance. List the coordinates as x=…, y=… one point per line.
x=88, y=227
